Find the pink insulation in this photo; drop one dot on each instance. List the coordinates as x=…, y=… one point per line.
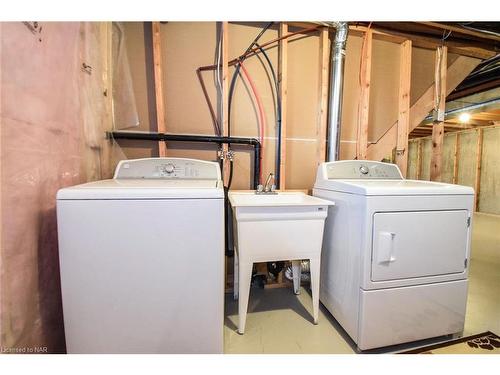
x=43, y=148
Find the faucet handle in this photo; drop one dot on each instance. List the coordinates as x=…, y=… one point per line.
x=260, y=188
x=273, y=188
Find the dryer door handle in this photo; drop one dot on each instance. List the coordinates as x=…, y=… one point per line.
x=385, y=251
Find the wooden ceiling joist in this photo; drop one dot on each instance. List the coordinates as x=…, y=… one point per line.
x=464, y=48
x=461, y=30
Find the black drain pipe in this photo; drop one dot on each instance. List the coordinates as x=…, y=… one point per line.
x=147, y=136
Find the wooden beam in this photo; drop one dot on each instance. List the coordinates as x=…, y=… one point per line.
x=472, y=90
x=399, y=37
x=404, y=107
x=457, y=71
x=158, y=78
x=107, y=82
x=455, y=158
x=440, y=104
x=324, y=59
x=477, y=182
x=364, y=97
x=437, y=151
x=225, y=98
x=418, y=172
x=283, y=87
x=462, y=30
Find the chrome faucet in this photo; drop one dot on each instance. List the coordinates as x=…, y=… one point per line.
x=267, y=188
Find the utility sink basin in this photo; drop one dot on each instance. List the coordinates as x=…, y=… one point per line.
x=274, y=227
x=249, y=199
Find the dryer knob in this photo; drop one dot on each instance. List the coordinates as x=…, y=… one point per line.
x=169, y=168
x=364, y=169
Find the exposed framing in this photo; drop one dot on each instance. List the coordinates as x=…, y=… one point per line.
x=396, y=136
x=438, y=127
x=158, y=81
x=479, y=154
x=455, y=158
x=364, y=98
x=106, y=35
x=395, y=36
x=404, y=106
x=418, y=172
x=283, y=87
x=456, y=166
x=324, y=59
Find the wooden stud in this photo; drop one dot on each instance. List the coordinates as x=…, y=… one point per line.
x=283, y=87
x=479, y=154
x=225, y=95
x=106, y=160
x=437, y=151
x=324, y=60
x=455, y=158
x=455, y=74
x=364, y=100
x=404, y=107
x=438, y=127
x=158, y=78
x=418, y=172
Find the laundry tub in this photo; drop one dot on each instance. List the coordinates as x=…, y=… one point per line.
x=276, y=227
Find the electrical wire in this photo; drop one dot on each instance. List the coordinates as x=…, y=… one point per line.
x=232, y=86
x=250, y=51
x=255, y=50
x=277, y=116
x=277, y=105
x=219, y=83
x=262, y=122
x=236, y=72
x=213, y=115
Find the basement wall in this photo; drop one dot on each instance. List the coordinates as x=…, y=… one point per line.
x=189, y=45
x=186, y=46
x=489, y=178
x=54, y=113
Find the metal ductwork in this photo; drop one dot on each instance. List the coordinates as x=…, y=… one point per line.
x=338, y=50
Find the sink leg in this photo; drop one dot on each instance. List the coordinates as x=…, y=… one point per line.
x=315, y=270
x=235, y=276
x=245, y=278
x=296, y=271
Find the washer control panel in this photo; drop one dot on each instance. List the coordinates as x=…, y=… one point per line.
x=362, y=169
x=168, y=168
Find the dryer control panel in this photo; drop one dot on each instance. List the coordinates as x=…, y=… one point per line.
x=168, y=168
x=361, y=169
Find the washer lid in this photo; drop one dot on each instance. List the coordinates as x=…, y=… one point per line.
x=393, y=187
x=154, y=178
x=144, y=189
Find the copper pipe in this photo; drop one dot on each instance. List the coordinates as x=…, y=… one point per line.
x=256, y=50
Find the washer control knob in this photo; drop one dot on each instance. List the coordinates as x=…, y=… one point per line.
x=169, y=168
x=364, y=169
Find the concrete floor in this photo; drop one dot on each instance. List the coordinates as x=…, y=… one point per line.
x=280, y=322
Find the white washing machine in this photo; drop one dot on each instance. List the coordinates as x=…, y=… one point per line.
x=142, y=259
x=395, y=253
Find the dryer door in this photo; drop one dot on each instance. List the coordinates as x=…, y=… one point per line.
x=418, y=244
